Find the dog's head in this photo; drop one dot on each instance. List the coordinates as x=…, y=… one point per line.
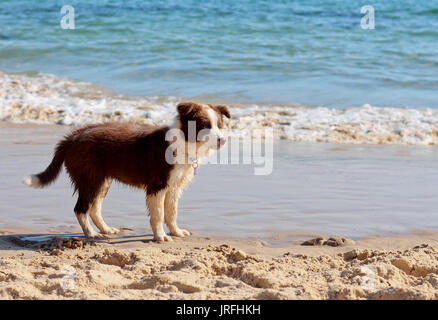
x=203, y=123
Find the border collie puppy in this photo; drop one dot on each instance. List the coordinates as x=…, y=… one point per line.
x=137, y=155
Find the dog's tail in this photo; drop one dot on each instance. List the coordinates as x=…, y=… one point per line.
x=49, y=175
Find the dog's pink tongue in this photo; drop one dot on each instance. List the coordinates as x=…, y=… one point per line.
x=195, y=171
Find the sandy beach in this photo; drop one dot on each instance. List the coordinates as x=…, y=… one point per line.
x=134, y=267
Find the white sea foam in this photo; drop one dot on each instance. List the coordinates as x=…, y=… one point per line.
x=49, y=99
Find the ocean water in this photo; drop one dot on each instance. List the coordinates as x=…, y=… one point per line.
x=276, y=52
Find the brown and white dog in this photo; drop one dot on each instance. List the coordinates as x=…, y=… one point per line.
x=94, y=155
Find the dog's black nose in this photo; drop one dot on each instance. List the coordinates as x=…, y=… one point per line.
x=221, y=141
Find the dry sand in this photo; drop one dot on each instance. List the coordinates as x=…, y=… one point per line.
x=134, y=267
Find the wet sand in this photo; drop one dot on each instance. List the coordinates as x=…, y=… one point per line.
x=314, y=189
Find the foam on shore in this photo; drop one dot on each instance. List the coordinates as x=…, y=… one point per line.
x=52, y=100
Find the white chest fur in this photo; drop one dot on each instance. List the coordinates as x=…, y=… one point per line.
x=180, y=176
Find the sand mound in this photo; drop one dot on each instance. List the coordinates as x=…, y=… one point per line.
x=217, y=271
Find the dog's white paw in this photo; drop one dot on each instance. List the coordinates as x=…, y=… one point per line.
x=163, y=238
x=111, y=231
x=180, y=233
x=95, y=236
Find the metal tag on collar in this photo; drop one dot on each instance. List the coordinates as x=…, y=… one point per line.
x=195, y=167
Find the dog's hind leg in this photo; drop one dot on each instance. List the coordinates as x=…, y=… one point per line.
x=171, y=212
x=81, y=212
x=95, y=210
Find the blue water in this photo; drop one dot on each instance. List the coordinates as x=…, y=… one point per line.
x=312, y=52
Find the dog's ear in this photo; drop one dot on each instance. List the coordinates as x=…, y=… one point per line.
x=186, y=109
x=224, y=110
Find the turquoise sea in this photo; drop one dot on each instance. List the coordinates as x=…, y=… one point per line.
x=309, y=52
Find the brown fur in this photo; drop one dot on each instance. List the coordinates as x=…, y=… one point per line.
x=130, y=154
x=191, y=111
x=94, y=155
x=221, y=111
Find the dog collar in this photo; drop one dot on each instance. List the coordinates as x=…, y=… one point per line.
x=195, y=166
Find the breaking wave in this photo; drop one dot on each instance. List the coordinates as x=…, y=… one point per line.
x=53, y=100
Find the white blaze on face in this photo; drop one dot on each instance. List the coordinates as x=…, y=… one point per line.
x=215, y=131
x=210, y=136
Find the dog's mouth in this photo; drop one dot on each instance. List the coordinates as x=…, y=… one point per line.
x=220, y=142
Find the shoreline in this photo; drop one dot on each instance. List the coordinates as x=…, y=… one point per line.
x=276, y=241
x=134, y=267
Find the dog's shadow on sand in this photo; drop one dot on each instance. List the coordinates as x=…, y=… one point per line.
x=50, y=241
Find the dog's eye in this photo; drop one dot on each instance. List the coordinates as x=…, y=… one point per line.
x=205, y=125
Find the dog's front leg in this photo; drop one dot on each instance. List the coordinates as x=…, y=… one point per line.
x=155, y=203
x=171, y=212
